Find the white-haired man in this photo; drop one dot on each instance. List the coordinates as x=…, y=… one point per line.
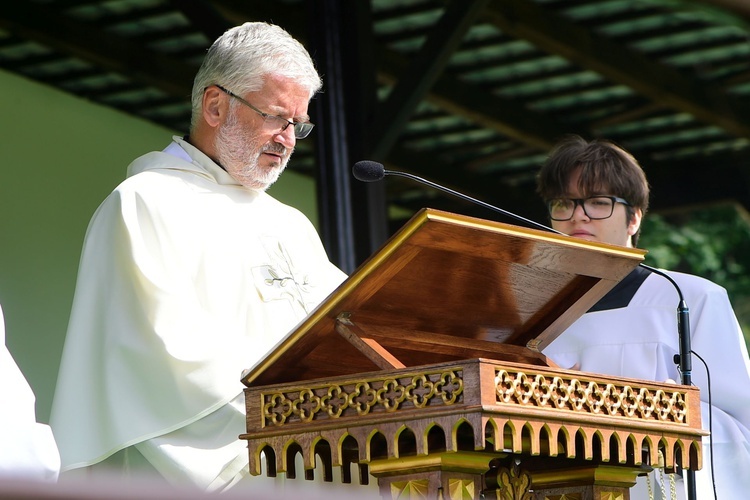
x=190, y=272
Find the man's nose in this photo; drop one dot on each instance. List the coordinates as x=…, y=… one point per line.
x=578, y=211
x=286, y=137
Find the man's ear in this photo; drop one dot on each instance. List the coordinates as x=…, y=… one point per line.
x=635, y=221
x=214, y=106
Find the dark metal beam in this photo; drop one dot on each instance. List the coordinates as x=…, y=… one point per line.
x=203, y=16
x=86, y=41
x=503, y=115
x=293, y=20
x=555, y=34
x=425, y=68
x=676, y=184
x=332, y=148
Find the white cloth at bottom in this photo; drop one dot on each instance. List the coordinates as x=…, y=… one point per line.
x=27, y=448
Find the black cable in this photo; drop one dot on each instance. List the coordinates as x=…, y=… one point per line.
x=710, y=423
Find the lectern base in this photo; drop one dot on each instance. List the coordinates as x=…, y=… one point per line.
x=470, y=475
x=458, y=475
x=601, y=482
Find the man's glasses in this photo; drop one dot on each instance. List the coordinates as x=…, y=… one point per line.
x=595, y=207
x=274, y=123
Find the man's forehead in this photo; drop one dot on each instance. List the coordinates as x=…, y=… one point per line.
x=587, y=187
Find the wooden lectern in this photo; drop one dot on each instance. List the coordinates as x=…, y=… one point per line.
x=424, y=369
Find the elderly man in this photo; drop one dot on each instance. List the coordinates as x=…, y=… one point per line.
x=190, y=272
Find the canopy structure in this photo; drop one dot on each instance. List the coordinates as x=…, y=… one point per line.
x=471, y=94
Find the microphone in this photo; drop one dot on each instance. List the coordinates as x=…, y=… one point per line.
x=368, y=171
x=372, y=171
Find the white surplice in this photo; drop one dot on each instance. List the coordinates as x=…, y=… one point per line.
x=27, y=447
x=186, y=279
x=635, y=335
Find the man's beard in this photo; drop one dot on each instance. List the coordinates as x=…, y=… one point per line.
x=240, y=155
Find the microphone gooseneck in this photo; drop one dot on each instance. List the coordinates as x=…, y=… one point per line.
x=371, y=171
x=683, y=329
x=685, y=364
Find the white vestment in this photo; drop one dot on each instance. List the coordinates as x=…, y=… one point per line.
x=27, y=448
x=639, y=338
x=186, y=279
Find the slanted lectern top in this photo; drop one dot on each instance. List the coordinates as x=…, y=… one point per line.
x=448, y=287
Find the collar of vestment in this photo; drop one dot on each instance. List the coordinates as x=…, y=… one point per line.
x=623, y=292
x=193, y=160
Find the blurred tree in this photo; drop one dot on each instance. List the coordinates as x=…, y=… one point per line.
x=712, y=242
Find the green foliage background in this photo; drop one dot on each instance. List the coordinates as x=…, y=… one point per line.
x=712, y=242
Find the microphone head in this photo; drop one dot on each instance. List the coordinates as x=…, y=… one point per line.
x=368, y=171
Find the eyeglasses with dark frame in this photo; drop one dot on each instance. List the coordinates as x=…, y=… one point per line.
x=274, y=122
x=595, y=207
